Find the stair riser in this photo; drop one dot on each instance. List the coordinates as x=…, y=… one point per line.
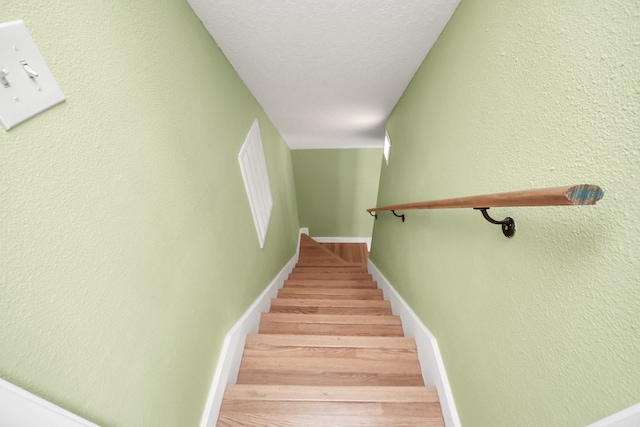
x=372, y=297
x=330, y=319
x=355, y=311
x=330, y=276
x=329, y=342
x=330, y=292
x=345, y=302
x=328, y=379
x=341, y=284
x=322, y=329
x=333, y=270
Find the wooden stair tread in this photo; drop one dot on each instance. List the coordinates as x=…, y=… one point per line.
x=331, y=341
x=275, y=302
x=325, y=264
x=235, y=419
x=323, y=365
x=319, y=324
x=360, y=409
x=326, y=329
x=330, y=293
x=331, y=306
x=331, y=290
x=329, y=276
x=324, y=269
x=338, y=311
x=331, y=393
x=330, y=353
x=357, y=284
x=335, y=353
x=330, y=319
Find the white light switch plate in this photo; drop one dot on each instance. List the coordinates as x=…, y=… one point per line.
x=22, y=96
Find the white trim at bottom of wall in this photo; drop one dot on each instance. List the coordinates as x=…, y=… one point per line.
x=629, y=417
x=19, y=408
x=366, y=240
x=431, y=362
x=231, y=353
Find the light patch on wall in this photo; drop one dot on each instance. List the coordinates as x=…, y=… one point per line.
x=387, y=147
x=256, y=180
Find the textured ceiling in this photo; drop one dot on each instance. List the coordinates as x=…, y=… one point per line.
x=327, y=73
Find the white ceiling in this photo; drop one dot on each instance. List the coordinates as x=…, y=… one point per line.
x=327, y=72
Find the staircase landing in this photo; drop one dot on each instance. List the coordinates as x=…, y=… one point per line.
x=330, y=353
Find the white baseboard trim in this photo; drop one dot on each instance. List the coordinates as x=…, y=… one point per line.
x=366, y=240
x=431, y=362
x=303, y=230
x=629, y=417
x=19, y=408
x=231, y=353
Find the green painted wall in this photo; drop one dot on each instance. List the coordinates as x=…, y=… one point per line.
x=543, y=329
x=334, y=188
x=127, y=248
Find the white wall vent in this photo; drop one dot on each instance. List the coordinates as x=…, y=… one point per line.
x=256, y=180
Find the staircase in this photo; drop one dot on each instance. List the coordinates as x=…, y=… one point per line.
x=330, y=353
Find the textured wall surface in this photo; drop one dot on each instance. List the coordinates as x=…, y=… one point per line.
x=334, y=188
x=542, y=329
x=125, y=230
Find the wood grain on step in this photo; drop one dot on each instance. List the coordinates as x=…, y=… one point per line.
x=330, y=306
x=312, y=252
x=347, y=353
x=331, y=293
x=262, y=376
x=275, y=302
x=331, y=341
x=235, y=419
x=330, y=276
x=359, y=409
x=333, y=367
x=345, y=284
x=324, y=270
x=329, y=319
x=331, y=394
x=325, y=263
x=315, y=309
x=350, y=252
x=331, y=329
x=321, y=365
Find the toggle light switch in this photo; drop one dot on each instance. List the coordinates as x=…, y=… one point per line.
x=3, y=77
x=27, y=86
x=32, y=74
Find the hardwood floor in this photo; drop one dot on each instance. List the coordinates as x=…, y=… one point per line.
x=330, y=353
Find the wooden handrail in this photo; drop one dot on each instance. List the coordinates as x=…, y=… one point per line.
x=582, y=194
x=571, y=195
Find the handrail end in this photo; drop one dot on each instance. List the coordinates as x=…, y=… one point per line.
x=584, y=194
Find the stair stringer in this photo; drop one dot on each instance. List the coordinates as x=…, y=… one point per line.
x=230, y=357
x=433, y=371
